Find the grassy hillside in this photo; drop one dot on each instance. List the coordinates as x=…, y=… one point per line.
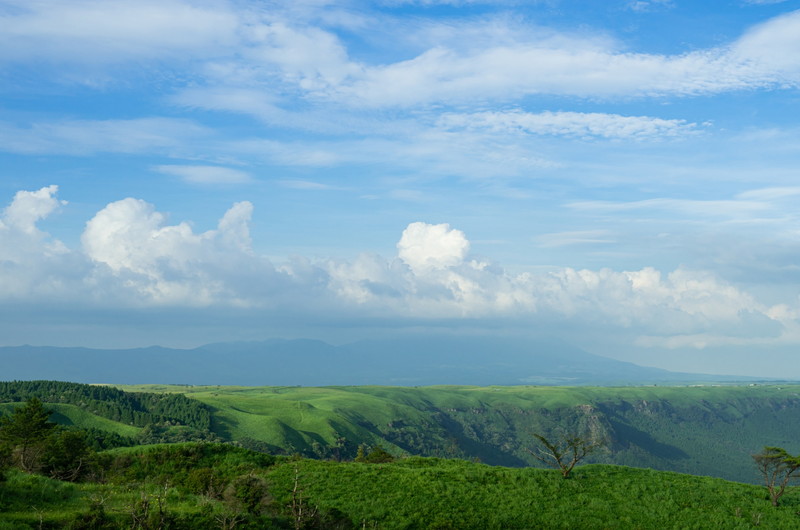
x=432, y=493
x=705, y=430
x=408, y=493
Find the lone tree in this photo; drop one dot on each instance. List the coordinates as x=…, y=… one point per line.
x=565, y=453
x=778, y=468
x=25, y=433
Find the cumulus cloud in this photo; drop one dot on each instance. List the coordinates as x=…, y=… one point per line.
x=132, y=256
x=32, y=263
x=170, y=263
x=27, y=208
x=427, y=247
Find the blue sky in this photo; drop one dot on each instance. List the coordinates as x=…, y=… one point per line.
x=621, y=174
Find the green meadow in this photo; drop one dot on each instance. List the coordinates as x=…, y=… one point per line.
x=704, y=430
x=459, y=457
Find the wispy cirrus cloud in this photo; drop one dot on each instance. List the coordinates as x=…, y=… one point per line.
x=115, y=31
x=234, y=49
x=572, y=124
x=693, y=207
x=206, y=174
x=578, y=237
x=305, y=185
x=89, y=137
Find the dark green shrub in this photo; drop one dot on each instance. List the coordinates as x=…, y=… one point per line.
x=94, y=519
x=378, y=455
x=248, y=494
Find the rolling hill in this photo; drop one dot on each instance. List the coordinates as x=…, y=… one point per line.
x=703, y=430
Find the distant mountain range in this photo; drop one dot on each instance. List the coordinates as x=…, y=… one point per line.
x=401, y=362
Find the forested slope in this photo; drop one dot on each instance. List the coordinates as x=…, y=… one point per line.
x=142, y=417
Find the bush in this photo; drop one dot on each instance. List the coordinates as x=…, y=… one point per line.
x=377, y=455
x=248, y=494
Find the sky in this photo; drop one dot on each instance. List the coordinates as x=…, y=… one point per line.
x=620, y=174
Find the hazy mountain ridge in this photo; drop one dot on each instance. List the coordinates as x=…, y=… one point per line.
x=406, y=362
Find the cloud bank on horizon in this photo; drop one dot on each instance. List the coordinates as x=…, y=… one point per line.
x=623, y=175
x=130, y=257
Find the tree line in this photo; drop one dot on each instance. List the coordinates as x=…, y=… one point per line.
x=139, y=409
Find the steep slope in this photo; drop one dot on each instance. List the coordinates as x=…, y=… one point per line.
x=700, y=430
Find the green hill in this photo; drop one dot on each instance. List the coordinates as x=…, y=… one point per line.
x=703, y=430
x=408, y=493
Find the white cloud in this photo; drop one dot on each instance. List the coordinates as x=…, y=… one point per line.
x=205, y=174
x=309, y=57
x=170, y=264
x=769, y=52
x=764, y=2
x=702, y=208
x=32, y=263
x=577, y=237
x=110, y=31
x=266, y=52
x=28, y=207
x=88, y=137
x=572, y=124
x=770, y=194
x=574, y=66
x=649, y=5
x=131, y=256
x=305, y=185
x=427, y=247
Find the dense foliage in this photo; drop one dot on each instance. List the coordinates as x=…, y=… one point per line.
x=139, y=409
x=159, y=485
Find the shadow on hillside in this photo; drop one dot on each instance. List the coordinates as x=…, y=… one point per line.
x=219, y=425
x=627, y=436
x=488, y=454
